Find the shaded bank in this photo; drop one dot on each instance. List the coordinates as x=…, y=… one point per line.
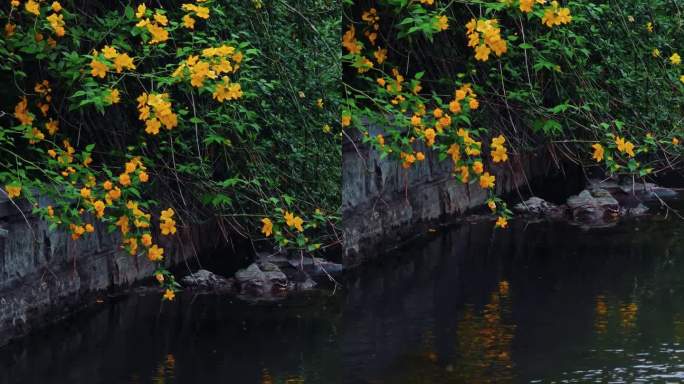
x=45, y=276
x=384, y=204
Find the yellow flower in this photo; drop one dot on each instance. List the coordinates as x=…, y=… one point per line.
x=99, y=69
x=675, y=141
x=167, y=214
x=474, y=104
x=675, y=59
x=9, y=29
x=188, y=22
x=501, y=222
x=143, y=177
x=107, y=185
x=13, y=190
x=380, y=55
x=124, y=179
x=56, y=6
x=598, y=152
x=430, y=136
x=123, y=61
x=681, y=78
x=141, y=11
x=85, y=193
x=99, y=207
x=169, y=295
x=227, y=90
x=159, y=277
x=420, y=156
x=152, y=126
x=289, y=218
x=346, y=120
x=655, y=52
x=526, y=5
x=32, y=7
x=624, y=146
x=649, y=27
x=499, y=154
x=52, y=126
x=57, y=24
x=168, y=227
x=492, y=205
x=478, y=167
x=155, y=253
x=441, y=23
x=487, y=181
x=298, y=224
x=113, y=97
x=267, y=228
x=161, y=19
x=158, y=33
x=482, y=52
x=146, y=240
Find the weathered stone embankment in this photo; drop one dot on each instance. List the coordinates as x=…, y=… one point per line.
x=384, y=204
x=45, y=276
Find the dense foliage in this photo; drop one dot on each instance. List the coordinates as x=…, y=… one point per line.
x=147, y=117
x=598, y=83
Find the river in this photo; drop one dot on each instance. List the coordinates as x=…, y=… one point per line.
x=540, y=302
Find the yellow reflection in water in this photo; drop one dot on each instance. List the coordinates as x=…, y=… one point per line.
x=165, y=370
x=266, y=378
x=678, y=325
x=628, y=315
x=601, y=315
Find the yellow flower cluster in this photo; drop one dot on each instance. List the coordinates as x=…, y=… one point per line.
x=214, y=62
x=441, y=23
x=599, y=152
x=485, y=37
x=408, y=159
x=199, y=12
x=499, y=152
x=524, y=5
x=267, y=228
x=167, y=224
x=109, y=57
x=372, y=19
x=78, y=230
x=293, y=221
x=349, y=41
x=155, y=110
x=43, y=91
x=624, y=146
x=26, y=118
x=487, y=181
x=22, y=113
x=13, y=190
x=556, y=15
x=154, y=26
x=56, y=20
x=675, y=59
x=464, y=94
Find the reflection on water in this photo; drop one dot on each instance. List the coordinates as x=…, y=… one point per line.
x=539, y=303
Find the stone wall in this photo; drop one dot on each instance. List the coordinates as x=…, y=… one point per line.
x=44, y=275
x=383, y=204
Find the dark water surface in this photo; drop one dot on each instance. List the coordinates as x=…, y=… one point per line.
x=540, y=302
